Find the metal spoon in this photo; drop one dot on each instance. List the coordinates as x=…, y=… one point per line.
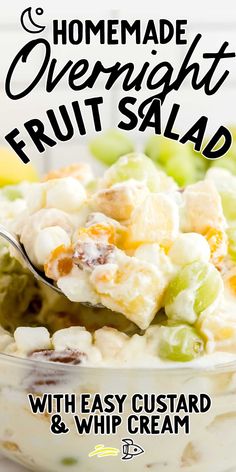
x=40, y=276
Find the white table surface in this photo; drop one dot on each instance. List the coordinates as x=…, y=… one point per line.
x=8, y=466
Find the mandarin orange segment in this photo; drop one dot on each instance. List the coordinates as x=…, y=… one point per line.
x=232, y=284
x=65, y=266
x=217, y=240
x=98, y=231
x=60, y=262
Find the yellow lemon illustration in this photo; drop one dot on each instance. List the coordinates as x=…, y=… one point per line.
x=13, y=171
x=101, y=451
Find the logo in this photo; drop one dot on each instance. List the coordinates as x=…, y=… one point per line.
x=130, y=449
x=28, y=23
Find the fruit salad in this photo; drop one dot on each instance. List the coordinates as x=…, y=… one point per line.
x=147, y=269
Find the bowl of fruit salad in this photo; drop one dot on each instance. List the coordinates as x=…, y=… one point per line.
x=147, y=275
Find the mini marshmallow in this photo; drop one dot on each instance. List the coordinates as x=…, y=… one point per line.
x=189, y=247
x=66, y=194
x=76, y=338
x=47, y=240
x=109, y=341
x=36, y=197
x=32, y=339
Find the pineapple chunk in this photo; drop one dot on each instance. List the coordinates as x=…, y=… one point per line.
x=156, y=220
x=202, y=208
x=156, y=256
x=130, y=286
x=119, y=201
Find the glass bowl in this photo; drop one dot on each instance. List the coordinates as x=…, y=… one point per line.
x=26, y=437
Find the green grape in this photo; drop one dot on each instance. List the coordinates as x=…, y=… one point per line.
x=11, y=192
x=182, y=169
x=201, y=164
x=228, y=200
x=180, y=343
x=195, y=288
x=160, y=149
x=152, y=148
x=109, y=146
x=231, y=232
x=133, y=166
x=69, y=461
x=228, y=161
x=179, y=161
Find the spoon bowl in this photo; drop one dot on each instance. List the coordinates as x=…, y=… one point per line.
x=40, y=276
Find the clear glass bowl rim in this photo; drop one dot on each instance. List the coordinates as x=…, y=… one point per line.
x=224, y=367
